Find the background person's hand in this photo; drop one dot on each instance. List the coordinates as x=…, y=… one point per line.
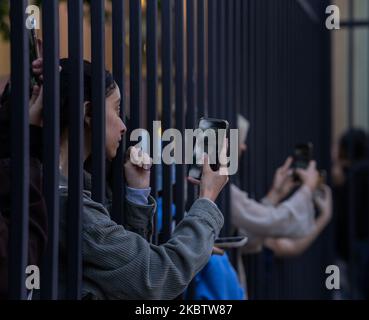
x=323, y=201
x=282, y=174
x=309, y=176
x=40, y=48
x=36, y=101
x=137, y=169
x=35, y=107
x=283, y=182
x=37, y=68
x=212, y=182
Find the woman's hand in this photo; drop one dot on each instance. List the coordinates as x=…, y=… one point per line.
x=212, y=182
x=137, y=168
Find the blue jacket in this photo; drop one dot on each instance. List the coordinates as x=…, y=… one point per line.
x=217, y=281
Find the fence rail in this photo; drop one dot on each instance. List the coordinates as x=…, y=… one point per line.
x=216, y=58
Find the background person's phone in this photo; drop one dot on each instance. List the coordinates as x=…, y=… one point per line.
x=33, y=55
x=195, y=170
x=302, y=155
x=230, y=242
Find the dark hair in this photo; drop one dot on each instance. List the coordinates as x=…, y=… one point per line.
x=65, y=75
x=353, y=145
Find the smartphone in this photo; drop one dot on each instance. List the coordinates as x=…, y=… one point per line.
x=195, y=170
x=302, y=155
x=33, y=55
x=230, y=242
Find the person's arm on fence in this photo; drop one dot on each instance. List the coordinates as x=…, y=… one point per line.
x=292, y=218
x=124, y=265
x=284, y=247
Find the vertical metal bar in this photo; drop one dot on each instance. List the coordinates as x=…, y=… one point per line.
x=326, y=132
x=245, y=86
x=287, y=265
x=167, y=114
x=75, y=150
x=118, y=21
x=98, y=99
x=135, y=45
x=367, y=110
x=18, y=255
x=234, y=106
x=260, y=100
x=152, y=85
x=272, y=117
x=237, y=60
x=191, y=88
x=180, y=120
x=222, y=82
x=221, y=58
x=212, y=51
x=202, y=110
x=51, y=133
x=351, y=79
x=252, y=137
x=229, y=100
x=351, y=195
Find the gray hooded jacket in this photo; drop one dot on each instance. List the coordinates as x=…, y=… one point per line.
x=122, y=264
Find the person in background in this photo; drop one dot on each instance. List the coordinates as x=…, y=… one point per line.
x=288, y=247
x=350, y=176
x=37, y=209
x=274, y=217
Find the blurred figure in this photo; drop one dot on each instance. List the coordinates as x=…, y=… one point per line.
x=350, y=175
x=275, y=217
x=292, y=218
x=37, y=209
x=287, y=247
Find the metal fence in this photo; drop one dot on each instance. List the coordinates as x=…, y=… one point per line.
x=265, y=59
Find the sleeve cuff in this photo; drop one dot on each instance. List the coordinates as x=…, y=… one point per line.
x=138, y=196
x=266, y=202
x=209, y=211
x=212, y=203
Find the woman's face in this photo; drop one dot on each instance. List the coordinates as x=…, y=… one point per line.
x=115, y=127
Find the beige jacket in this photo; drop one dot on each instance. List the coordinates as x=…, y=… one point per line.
x=293, y=218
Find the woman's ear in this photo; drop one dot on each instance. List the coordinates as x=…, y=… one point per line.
x=87, y=113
